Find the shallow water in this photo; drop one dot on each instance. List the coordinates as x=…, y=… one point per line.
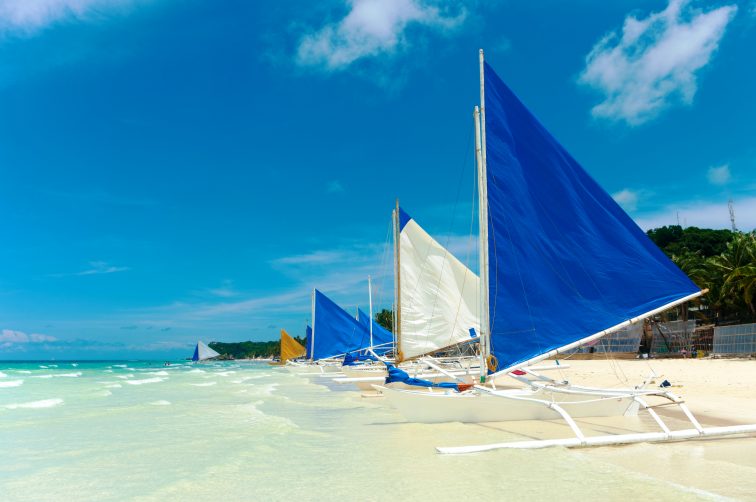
x=248, y=431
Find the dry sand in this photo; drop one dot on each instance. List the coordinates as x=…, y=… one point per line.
x=717, y=391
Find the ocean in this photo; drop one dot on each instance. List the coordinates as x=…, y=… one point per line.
x=140, y=431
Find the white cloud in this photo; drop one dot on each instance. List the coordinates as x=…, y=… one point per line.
x=719, y=175
x=373, y=27
x=704, y=214
x=31, y=16
x=9, y=336
x=654, y=60
x=101, y=267
x=95, y=268
x=626, y=198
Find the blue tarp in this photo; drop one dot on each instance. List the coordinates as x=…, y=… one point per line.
x=354, y=359
x=565, y=261
x=397, y=375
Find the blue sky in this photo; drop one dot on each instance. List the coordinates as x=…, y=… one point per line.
x=174, y=170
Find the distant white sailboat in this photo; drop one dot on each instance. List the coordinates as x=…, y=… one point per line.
x=202, y=352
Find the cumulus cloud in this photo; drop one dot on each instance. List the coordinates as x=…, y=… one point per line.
x=373, y=27
x=719, y=175
x=652, y=62
x=9, y=336
x=626, y=198
x=31, y=16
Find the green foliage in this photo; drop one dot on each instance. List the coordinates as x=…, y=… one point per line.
x=386, y=319
x=720, y=260
x=676, y=241
x=249, y=350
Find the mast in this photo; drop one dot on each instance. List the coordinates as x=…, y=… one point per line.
x=312, y=338
x=370, y=301
x=480, y=148
x=397, y=288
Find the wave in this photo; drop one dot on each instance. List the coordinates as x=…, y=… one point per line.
x=52, y=375
x=162, y=402
x=11, y=383
x=113, y=386
x=25, y=372
x=196, y=370
x=158, y=373
x=2, y=375
x=146, y=380
x=207, y=384
x=225, y=373
x=125, y=376
x=120, y=366
x=45, y=403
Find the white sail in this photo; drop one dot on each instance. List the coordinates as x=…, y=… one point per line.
x=202, y=352
x=438, y=295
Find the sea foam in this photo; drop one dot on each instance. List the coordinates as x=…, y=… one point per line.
x=146, y=380
x=162, y=402
x=56, y=375
x=45, y=403
x=11, y=383
x=207, y=384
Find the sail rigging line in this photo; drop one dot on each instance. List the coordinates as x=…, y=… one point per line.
x=384, y=266
x=440, y=274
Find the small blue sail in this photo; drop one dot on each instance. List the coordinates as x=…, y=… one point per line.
x=383, y=339
x=565, y=261
x=335, y=331
x=308, y=342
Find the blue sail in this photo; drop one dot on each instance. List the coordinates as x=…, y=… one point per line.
x=383, y=339
x=335, y=332
x=565, y=261
x=308, y=342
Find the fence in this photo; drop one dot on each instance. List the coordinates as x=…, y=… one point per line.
x=737, y=339
x=625, y=340
x=672, y=337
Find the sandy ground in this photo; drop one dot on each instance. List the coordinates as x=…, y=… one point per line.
x=717, y=391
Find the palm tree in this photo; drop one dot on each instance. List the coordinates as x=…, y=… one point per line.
x=736, y=268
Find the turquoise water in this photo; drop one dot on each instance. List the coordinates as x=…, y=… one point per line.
x=248, y=431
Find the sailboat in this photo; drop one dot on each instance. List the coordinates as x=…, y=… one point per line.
x=562, y=265
x=436, y=294
x=202, y=352
x=334, y=334
x=436, y=298
x=290, y=349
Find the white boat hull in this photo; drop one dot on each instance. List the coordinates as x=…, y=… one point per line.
x=435, y=406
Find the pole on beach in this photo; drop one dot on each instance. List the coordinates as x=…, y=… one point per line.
x=480, y=150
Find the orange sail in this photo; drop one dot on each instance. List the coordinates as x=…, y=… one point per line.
x=290, y=348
